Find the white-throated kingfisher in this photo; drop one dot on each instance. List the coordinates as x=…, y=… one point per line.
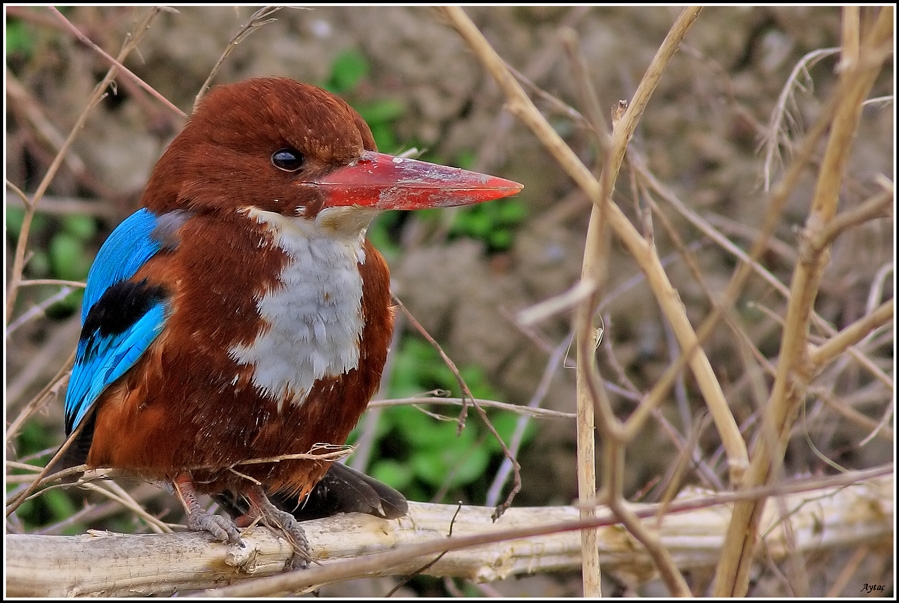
x=241, y=315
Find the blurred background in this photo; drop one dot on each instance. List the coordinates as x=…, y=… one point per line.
x=465, y=274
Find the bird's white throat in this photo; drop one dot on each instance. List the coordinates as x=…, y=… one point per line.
x=314, y=317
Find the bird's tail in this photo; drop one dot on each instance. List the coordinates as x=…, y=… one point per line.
x=341, y=490
x=73, y=451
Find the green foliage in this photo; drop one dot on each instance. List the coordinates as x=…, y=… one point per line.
x=61, y=249
x=349, y=71
x=71, y=256
x=15, y=218
x=493, y=223
x=421, y=452
x=380, y=115
x=84, y=228
x=19, y=40
x=53, y=505
x=68, y=260
x=393, y=472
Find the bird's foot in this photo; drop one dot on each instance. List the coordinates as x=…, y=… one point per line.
x=220, y=527
x=261, y=508
x=198, y=518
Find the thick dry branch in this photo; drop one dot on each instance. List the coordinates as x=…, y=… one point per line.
x=350, y=546
x=793, y=369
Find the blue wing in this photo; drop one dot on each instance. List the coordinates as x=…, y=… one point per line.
x=128, y=248
x=120, y=317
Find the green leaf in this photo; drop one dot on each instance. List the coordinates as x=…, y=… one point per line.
x=422, y=431
x=347, y=70
x=465, y=159
x=68, y=257
x=382, y=111
x=379, y=234
x=19, y=39
x=59, y=505
x=471, y=465
x=477, y=382
x=501, y=240
x=418, y=368
x=80, y=226
x=428, y=467
x=384, y=137
x=460, y=465
x=393, y=473
x=15, y=216
x=511, y=211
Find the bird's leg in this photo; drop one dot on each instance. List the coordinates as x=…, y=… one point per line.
x=261, y=508
x=198, y=518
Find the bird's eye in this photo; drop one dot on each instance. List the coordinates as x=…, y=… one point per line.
x=289, y=160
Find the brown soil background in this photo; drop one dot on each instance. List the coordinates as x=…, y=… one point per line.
x=700, y=135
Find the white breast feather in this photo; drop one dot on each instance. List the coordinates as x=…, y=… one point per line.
x=314, y=319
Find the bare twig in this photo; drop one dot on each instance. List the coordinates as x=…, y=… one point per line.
x=257, y=20
x=116, y=63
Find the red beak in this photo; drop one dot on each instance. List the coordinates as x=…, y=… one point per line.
x=383, y=181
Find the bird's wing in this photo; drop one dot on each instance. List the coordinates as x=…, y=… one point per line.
x=120, y=317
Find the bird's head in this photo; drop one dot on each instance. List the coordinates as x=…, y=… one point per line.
x=283, y=147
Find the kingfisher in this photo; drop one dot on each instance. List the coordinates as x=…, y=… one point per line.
x=237, y=324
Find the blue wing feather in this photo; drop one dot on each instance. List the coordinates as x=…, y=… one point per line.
x=128, y=248
x=120, y=318
x=101, y=359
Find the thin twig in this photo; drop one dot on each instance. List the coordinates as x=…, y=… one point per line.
x=516, y=485
x=116, y=63
x=257, y=20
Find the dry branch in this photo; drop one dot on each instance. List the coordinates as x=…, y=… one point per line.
x=349, y=546
x=793, y=368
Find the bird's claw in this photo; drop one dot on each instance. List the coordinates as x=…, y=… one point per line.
x=198, y=518
x=221, y=528
x=295, y=535
x=285, y=523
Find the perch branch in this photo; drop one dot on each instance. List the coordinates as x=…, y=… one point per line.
x=841, y=511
